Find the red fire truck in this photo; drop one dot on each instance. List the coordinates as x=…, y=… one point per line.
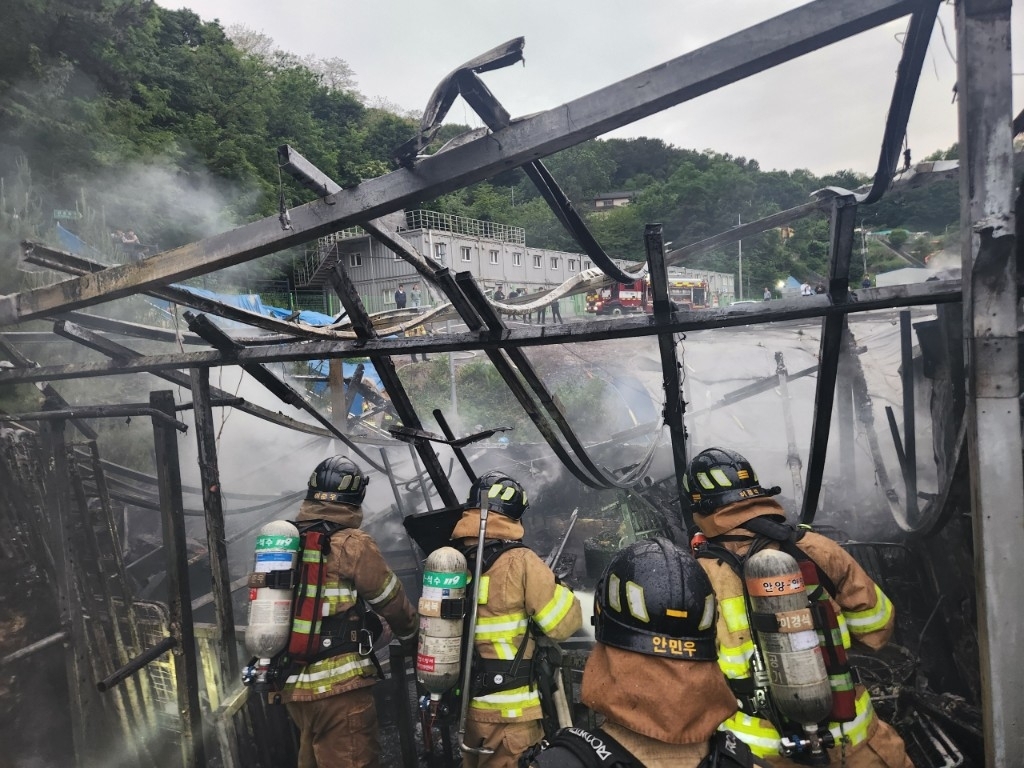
x=619, y=298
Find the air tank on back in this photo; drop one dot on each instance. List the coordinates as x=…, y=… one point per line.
x=442, y=609
x=792, y=654
x=270, y=608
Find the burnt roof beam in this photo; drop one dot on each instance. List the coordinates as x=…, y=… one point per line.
x=118, y=352
x=919, y=294
x=588, y=474
x=203, y=326
x=495, y=116
x=733, y=58
x=908, y=73
x=385, y=368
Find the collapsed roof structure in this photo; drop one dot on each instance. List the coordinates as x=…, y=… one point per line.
x=989, y=427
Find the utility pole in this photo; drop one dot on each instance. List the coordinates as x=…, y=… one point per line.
x=739, y=246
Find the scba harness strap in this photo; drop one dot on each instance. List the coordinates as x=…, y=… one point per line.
x=596, y=749
x=820, y=589
x=591, y=749
x=315, y=637
x=496, y=675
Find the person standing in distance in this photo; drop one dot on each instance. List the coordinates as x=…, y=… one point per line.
x=331, y=699
x=517, y=596
x=400, y=297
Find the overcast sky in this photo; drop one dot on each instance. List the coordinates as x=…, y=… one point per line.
x=824, y=111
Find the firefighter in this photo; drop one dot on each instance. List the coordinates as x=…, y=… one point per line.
x=652, y=673
x=331, y=700
x=517, y=597
x=736, y=515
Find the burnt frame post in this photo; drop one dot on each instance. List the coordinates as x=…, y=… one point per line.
x=909, y=421
x=216, y=537
x=842, y=224
x=85, y=710
x=179, y=599
x=385, y=367
x=675, y=406
x=990, y=295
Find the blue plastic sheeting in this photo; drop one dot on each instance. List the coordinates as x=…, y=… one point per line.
x=72, y=243
x=307, y=316
x=250, y=302
x=348, y=369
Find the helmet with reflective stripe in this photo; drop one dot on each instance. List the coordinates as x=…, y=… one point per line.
x=504, y=495
x=653, y=598
x=718, y=476
x=337, y=480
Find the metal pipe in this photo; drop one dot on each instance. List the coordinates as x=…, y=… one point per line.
x=133, y=666
x=467, y=656
x=909, y=437
x=28, y=650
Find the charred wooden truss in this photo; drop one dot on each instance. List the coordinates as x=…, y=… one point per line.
x=987, y=294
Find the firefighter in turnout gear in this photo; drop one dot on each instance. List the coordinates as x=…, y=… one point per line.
x=652, y=673
x=738, y=517
x=331, y=699
x=518, y=596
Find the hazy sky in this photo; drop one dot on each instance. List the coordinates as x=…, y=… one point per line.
x=824, y=111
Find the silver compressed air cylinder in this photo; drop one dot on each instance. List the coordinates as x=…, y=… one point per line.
x=789, y=643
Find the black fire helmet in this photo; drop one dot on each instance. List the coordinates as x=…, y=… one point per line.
x=653, y=598
x=504, y=495
x=718, y=476
x=337, y=480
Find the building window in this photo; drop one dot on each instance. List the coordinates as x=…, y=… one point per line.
x=554, y=262
x=465, y=253
x=586, y=264
x=441, y=252
x=536, y=261
x=494, y=257
x=396, y=256
x=355, y=259
x=517, y=259
x=572, y=265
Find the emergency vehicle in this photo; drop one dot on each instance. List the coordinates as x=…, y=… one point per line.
x=619, y=298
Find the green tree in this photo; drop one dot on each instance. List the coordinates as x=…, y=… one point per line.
x=898, y=237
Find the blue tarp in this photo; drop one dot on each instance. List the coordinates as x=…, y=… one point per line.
x=250, y=302
x=71, y=242
x=348, y=369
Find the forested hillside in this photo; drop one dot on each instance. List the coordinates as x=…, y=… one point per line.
x=137, y=117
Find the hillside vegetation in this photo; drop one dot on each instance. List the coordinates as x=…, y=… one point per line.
x=138, y=117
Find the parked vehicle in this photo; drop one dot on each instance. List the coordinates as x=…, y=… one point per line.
x=619, y=298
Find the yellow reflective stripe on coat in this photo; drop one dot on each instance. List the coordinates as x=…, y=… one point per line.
x=321, y=676
x=763, y=739
x=873, y=619
x=763, y=742
x=734, y=611
x=335, y=591
x=505, y=627
x=734, y=661
x=555, y=610
x=510, y=703
x=844, y=631
x=856, y=730
x=387, y=592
